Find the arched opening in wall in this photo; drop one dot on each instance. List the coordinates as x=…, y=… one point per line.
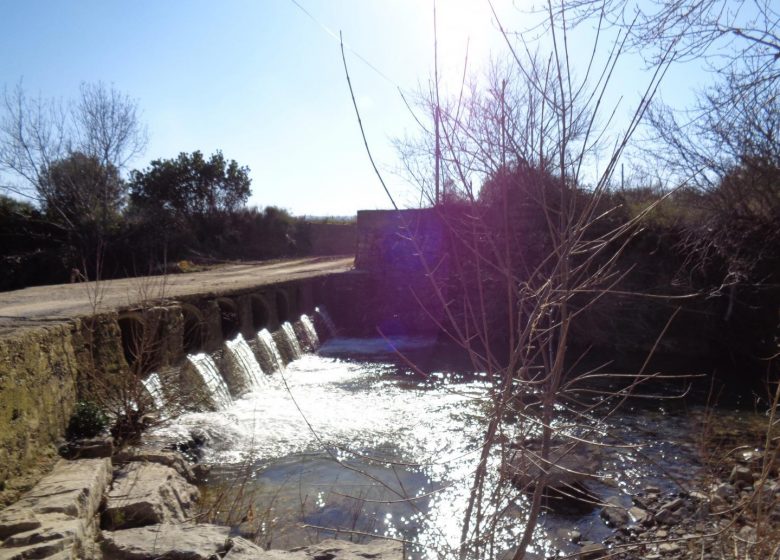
x=282, y=306
x=194, y=336
x=140, y=341
x=299, y=301
x=228, y=314
x=260, y=313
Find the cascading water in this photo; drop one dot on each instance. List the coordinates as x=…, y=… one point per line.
x=324, y=316
x=154, y=388
x=242, y=359
x=208, y=371
x=269, y=349
x=291, y=339
x=313, y=341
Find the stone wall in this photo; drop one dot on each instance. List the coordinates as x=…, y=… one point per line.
x=403, y=256
x=332, y=239
x=38, y=380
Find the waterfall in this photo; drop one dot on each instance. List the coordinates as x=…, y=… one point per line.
x=310, y=333
x=269, y=350
x=322, y=313
x=292, y=341
x=243, y=361
x=207, y=369
x=154, y=388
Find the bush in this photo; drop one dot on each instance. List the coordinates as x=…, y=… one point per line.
x=87, y=421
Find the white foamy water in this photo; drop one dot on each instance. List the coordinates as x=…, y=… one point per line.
x=154, y=388
x=312, y=340
x=268, y=346
x=326, y=319
x=321, y=408
x=292, y=340
x=346, y=404
x=243, y=359
x=208, y=371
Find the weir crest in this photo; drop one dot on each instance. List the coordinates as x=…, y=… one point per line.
x=241, y=367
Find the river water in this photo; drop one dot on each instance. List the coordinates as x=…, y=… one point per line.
x=351, y=441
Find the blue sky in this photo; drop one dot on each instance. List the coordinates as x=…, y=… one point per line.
x=262, y=81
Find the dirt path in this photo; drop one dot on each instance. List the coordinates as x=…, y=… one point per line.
x=64, y=301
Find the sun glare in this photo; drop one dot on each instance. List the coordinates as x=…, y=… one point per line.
x=466, y=35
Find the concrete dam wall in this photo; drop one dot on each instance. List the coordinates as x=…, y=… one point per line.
x=48, y=363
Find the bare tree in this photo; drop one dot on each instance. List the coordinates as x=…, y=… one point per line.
x=36, y=132
x=108, y=125
x=531, y=252
x=740, y=37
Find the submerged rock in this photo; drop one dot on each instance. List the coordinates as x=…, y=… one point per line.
x=614, y=513
x=568, y=463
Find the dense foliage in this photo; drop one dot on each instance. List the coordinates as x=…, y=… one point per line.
x=188, y=208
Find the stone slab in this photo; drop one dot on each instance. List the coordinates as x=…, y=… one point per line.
x=169, y=541
x=74, y=489
x=147, y=494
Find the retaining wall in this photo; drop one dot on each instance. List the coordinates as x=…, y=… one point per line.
x=45, y=370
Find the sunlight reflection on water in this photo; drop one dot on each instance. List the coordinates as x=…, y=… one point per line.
x=351, y=439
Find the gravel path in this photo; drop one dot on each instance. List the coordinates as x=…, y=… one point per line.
x=43, y=304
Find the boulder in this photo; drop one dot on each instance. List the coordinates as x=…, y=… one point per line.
x=741, y=474
x=147, y=494
x=569, y=463
x=172, y=459
x=639, y=515
x=91, y=448
x=242, y=549
x=378, y=549
x=55, y=518
x=614, y=513
x=170, y=541
x=74, y=488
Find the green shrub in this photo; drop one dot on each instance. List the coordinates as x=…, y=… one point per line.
x=87, y=421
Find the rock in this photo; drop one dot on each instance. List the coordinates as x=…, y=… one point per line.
x=55, y=517
x=17, y=520
x=45, y=549
x=747, y=534
x=666, y=517
x=92, y=448
x=379, y=549
x=614, y=513
x=73, y=488
x=673, y=505
x=592, y=551
x=749, y=456
x=639, y=515
x=202, y=542
x=724, y=490
x=64, y=528
x=741, y=474
x=169, y=541
x=147, y=494
x=570, y=463
x=242, y=549
x=172, y=459
x=668, y=548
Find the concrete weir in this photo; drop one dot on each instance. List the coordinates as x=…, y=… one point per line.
x=58, y=342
